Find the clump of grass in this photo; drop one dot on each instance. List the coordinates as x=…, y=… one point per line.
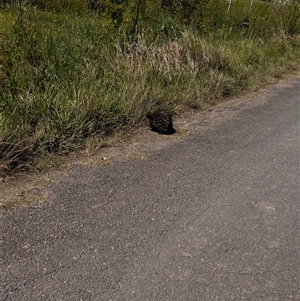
x=69, y=79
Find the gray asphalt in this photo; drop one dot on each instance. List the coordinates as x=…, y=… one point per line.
x=212, y=215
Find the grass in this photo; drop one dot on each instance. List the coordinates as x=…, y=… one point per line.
x=73, y=79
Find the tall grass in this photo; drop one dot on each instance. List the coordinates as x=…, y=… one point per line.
x=65, y=77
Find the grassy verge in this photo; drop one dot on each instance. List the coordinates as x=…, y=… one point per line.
x=67, y=77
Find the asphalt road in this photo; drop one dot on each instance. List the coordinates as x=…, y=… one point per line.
x=211, y=215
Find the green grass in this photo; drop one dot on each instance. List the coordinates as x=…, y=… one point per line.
x=74, y=76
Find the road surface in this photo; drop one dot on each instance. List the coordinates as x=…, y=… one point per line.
x=210, y=214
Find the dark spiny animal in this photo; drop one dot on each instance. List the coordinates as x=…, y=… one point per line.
x=161, y=121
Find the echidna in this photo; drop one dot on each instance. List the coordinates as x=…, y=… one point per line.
x=161, y=121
